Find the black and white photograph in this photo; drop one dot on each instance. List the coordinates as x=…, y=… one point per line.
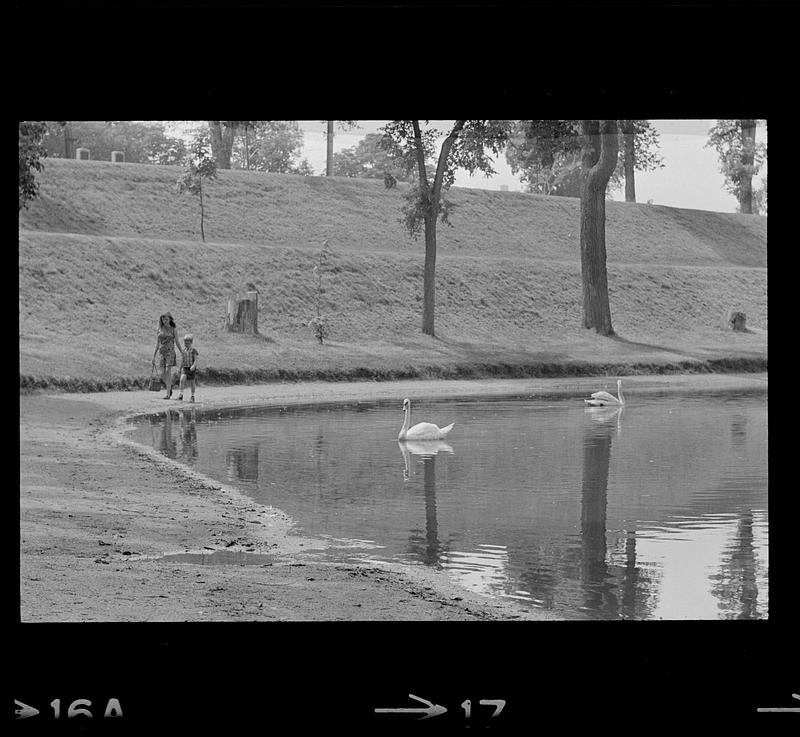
x=403, y=425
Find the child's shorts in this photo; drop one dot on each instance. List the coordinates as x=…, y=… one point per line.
x=188, y=373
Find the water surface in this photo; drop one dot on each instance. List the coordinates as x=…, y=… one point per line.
x=657, y=510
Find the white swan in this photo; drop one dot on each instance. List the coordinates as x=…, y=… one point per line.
x=604, y=399
x=422, y=430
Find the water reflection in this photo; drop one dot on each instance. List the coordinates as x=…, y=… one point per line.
x=188, y=429
x=242, y=463
x=427, y=546
x=424, y=448
x=553, y=505
x=735, y=583
x=599, y=594
x=162, y=429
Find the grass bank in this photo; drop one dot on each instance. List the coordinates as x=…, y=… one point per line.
x=107, y=248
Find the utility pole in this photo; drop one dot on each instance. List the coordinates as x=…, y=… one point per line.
x=68, y=141
x=329, y=166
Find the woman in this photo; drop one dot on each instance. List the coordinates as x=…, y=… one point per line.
x=166, y=340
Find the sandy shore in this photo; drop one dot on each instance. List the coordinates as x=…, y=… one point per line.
x=98, y=513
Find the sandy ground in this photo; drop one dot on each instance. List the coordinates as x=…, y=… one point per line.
x=98, y=513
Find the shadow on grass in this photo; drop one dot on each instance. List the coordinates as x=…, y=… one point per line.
x=645, y=347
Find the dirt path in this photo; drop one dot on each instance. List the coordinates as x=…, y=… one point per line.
x=97, y=514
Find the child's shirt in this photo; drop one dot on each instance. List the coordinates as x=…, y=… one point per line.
x=189, y=356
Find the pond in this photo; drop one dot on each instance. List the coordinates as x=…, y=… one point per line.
x=655, y=510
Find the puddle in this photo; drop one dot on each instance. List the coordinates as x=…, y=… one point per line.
x=221, y=558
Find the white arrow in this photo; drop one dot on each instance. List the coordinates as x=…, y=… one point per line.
x=780, y=708
x=431, y=710
x=23, y=711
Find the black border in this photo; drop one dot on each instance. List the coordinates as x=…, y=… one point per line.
x=374, y=62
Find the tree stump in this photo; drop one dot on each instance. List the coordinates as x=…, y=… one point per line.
x=242, y=314
x=737, y=321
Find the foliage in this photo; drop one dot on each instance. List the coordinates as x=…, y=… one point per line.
x=645, y=147
x=272, y=145
x=760, y=199
x=201, y=165
x=546, y=155
x=318, y=323
x=141, y=142
x=31, y=152
x=740, y=156
x=411, y=149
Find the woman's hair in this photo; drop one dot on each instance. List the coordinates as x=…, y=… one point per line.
x=161, y=320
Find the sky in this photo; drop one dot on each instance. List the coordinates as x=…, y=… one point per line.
x=690, y=177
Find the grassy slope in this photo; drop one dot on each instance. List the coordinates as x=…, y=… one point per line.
x=107, y=248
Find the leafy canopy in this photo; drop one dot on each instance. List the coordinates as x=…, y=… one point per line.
x=468, y=145
x=740, y=157
x=545, y=154
x=31, y=152
x=201, y=165
x=141, y=142
x=272, y=145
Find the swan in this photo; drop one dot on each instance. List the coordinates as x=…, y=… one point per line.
x=422, y=430
x=604, y=399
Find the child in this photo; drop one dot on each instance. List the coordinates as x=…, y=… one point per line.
x=188, y=366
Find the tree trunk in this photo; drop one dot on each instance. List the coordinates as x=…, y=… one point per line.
x=434, y=194
x=329, y=154
x=246, y=149
x=429, y=278
x=748, y=157
x=242, y=314
x=202, y=212
x=599, y=158
x=221, y=142
x=629, y=160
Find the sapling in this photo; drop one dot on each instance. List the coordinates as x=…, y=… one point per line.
x=318, y=323
x=201, y=166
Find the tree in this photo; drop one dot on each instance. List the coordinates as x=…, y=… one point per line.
x=463, y=147
x=546, y=154
x=600, y=146
x=369, y=159
x=760, y=199
x=141, y=142
x=201, y=166
x=638, y=152
x=329, y=125
x=740, y=157
x=222, y=133
x=31, y=152
x=271, y=145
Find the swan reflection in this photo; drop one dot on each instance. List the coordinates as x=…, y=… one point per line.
x=606, y=415
x=423, y=448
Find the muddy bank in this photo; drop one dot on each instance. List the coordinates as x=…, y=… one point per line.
x=98, y=514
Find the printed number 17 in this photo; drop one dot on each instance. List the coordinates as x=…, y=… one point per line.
x=497, y=703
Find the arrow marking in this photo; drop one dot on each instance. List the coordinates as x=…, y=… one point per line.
x=23, y=711
x=781, y=708
x=430, y=710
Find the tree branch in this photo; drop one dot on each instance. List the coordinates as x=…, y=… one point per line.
x=443, y=155
x=423, y=176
